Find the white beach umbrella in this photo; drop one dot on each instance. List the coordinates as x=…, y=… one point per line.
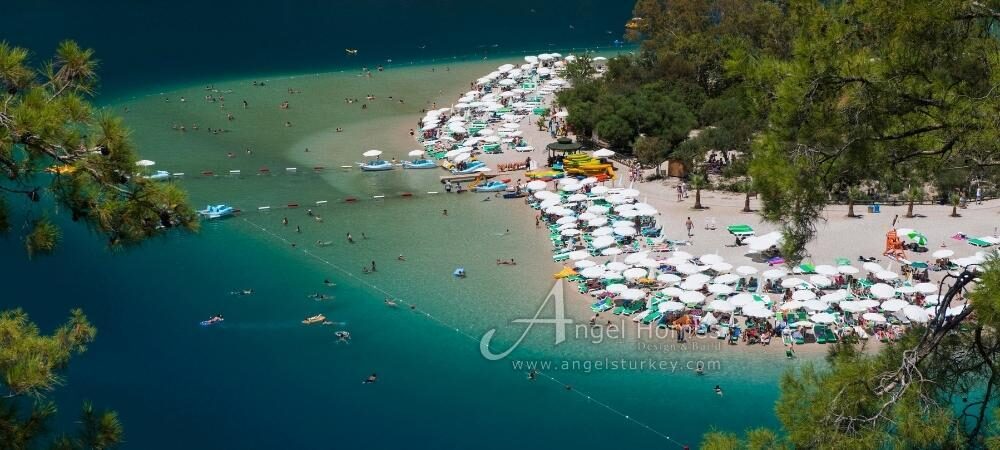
x=699, y=278
x=893, y=305
x=906, y=290
x=932, y=299
x=587, y=216
x=616, y=288
x=815, y=305
x=616, y=266
x=773, y=274
x=688, y=268
x=611, y=251
x=670, y=306
x=599, y=222
x=886, y=275
x=746, y=270
x=869, y=303
x=692, y=297
x=742, y=299
x=672, y=292
x=873, y=267
x=599, y=190
x=629, y=193
x=577, y=198
x=570, y=187
x=603, y=241
x=636, y=257
x=823, y=318
x=791, y=305
x=852, y=307
x=634, y=273
x=676, y=261
x=622, y=231
x=633, y=294
x=565, y=220
x=372, y=153
x=943, y=253
x=727, y=278
x=720, y=289
x=722, y=267
x=681, y=254
x=758, y=312
x=416, y=153
x=916, y=314
x=820, y=281
x=602, y=231
x=835, y=296
x=689, y=285
x=570, y=232
x=826, y=270
x=926, y=288
x=536, y=185
x=802, y=323
x=847, y=270
x=597, y=209
x=882, y=290
x=462, y=157
x=668, y=278
x=791, y=282
x=711, y=259
x=874, y=317
x=577, y=255
x=604, y=153
x=720, y=306
x=584, y=263
x=592, y=272
x=803, y=295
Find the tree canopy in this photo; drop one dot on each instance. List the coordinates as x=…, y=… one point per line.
x=30, y=366
x=55, y=144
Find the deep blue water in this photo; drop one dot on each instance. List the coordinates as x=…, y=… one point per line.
x=144, y=45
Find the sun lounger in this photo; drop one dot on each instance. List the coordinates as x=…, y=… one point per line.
x=651, y=316
x=820, y=332
x=740, y=230
x=978, y=242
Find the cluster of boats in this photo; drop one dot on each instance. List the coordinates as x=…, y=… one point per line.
x=216, y=211
x=377, y=164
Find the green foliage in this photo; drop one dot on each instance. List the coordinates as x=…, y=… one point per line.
x=581, y=70
x=30, y=363
x=54, y=142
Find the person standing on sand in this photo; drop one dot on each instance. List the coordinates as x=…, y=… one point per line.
x=690, y=226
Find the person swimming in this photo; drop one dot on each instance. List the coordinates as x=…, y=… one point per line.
x=718, y=390
x=371, y=379
x=390, y=302
x=532, y=375
x=343, y=336
x=329, y=283
x=323, y=243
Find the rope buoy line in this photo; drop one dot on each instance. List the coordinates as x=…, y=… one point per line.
x=442, y=323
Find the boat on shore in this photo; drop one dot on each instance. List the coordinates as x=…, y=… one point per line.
x=491, y=186
x=216, y=211
x=470, y=167
x=159, y=175
x=419, y=164
x=318, y=318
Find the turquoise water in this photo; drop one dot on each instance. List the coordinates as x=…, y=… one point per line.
x=264, y=380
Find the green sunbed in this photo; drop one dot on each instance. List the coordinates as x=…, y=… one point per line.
x=807, y=268
x=978, y=242
x=740, y=230
x=820, y=332
x=655, y=315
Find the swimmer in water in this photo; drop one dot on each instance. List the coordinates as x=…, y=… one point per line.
x=401, y=258
x=390, y=302
x=329, y=283
x=718, y=390
x=371, y=379
x=532, y=375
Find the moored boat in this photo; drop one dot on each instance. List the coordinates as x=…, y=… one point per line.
x=419, y=164
x=216, y=211
x=491, y=186
x=376, y=165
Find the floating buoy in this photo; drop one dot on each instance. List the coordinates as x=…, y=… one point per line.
x=320, y=202
x=234, y=172
x=406, y=194
x=350, y=199
x=264, y=170
x=178, y=174
x=290, y=169
x=378, y=196
x=263, y=208
x=318, y=168
x=208, y=173
x=293, y=205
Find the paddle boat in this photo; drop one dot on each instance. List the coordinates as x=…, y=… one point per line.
x=314, y=319
x=214, y=320
x=470, y=167
x=216, y=211
x=160, y=175
x=376, y=165
x=419, y=164
x=491, y=186
x=459, y=272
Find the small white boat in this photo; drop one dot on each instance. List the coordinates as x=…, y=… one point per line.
x=216, y=211
x=160, y=175
x=376, y=165
x=318, y=318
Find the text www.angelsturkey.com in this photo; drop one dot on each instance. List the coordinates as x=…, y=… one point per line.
x=612, y=364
